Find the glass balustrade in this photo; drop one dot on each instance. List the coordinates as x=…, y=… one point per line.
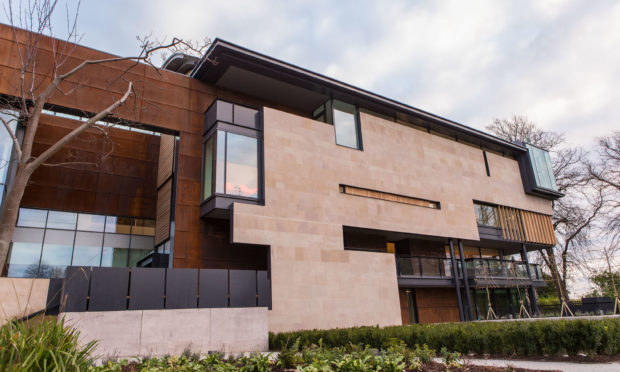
x=440, y=267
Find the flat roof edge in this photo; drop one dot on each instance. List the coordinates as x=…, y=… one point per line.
x=221, y=47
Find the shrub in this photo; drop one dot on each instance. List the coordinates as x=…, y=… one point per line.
x=537, y=337
x=42, y=345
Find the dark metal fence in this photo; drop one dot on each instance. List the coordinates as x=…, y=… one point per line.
x=88, y=288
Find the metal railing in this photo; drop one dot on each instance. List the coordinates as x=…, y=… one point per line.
x=440, y=267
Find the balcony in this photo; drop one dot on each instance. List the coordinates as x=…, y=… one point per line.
x=437, y=271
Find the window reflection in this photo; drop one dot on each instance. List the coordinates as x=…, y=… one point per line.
x=91, y=222
x=87, y=250
x=241, y=165
x=345, y=124
x=76, y=239
x=121, y=225
x=61, y=220
x=57, y=252
x=486, y=215
x=115, y=250
x=543, y=171
x=31, y=217
x=236, y=165
x=143, y=227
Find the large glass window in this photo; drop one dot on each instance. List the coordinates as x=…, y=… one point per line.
x=486, y=215
x=345, y=124
x=541, y=164
x=230, y=165
x=46, y=242
x=25, y=253
x=57, y=252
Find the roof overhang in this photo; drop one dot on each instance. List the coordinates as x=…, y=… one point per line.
x=236, y=68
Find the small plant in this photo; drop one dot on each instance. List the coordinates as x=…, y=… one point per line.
x=42, y=345
x=190, y=355
x=354, y=363
x=450, y=359
x=257, y=362
x=415, y=364
x=424, y=354
x=391, y=362
x=288, y=357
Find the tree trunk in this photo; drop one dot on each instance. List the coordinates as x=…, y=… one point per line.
x=8, y=218
x=558, y=282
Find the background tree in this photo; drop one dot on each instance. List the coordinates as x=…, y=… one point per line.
x=605, y=173
x=575, y=214
x=37, y=81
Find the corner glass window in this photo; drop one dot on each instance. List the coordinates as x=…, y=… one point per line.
x=346, y=125
x=486, y=215
x=541, y=165
x=230, y=165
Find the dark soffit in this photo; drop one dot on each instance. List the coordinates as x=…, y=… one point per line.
x=240, y=69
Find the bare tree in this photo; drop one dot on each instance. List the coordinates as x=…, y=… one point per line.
x=605, y=172
x=521, y=129
x=31, y=22
x=574, y=215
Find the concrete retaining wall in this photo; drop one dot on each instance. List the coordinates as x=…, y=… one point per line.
x=21, y=296
x=125, y=334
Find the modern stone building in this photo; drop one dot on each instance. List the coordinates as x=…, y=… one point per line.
x=335, y=206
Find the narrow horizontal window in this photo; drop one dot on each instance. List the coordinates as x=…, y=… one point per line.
x=357, y=191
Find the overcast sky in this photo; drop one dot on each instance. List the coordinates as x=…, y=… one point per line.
x=558, y=62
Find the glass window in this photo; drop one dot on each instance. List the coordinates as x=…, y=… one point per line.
x=135, y=255
x=121, y=225
x=25, y=253
x=91, y=222
x=115, y=250
x=221, y=158
x=87, y=250
x=142, y=242
x=345, y=123
x=61, y=220
x=486, y=215
x=57, y=252
x=143, y=227
x=241, y=165
x=541, y=165
x=207, y=161
x=31, y=217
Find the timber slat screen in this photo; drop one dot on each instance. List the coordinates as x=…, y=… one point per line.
x=526, y=226
x=87, y=288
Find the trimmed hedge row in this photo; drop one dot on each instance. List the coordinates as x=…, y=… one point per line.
x=538, y=337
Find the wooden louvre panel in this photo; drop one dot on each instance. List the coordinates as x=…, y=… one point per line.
x=166, y=159
x=162, y=223
x=538, y=228
x=351, y=190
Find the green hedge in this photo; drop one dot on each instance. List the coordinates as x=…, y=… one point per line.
x=538, y=337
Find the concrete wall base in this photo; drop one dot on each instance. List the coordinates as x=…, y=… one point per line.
x=141, y=333
x=21, y=296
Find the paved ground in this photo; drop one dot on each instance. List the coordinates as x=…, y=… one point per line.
x=562, y=366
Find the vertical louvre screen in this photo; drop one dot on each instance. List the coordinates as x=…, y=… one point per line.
x=164, y=187
x=162, y=223
x=531, y=227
